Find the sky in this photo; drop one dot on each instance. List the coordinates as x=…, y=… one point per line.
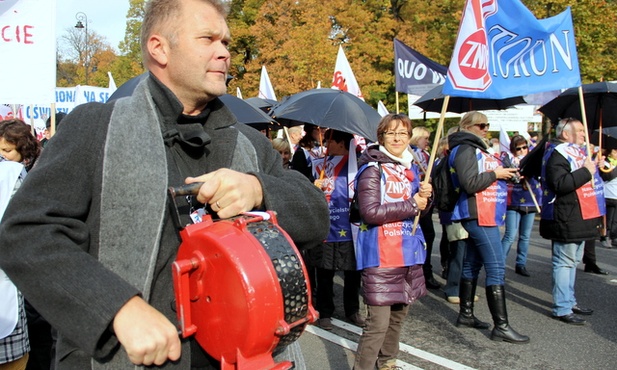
x=107, y=17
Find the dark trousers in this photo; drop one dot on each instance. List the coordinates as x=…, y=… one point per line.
x=611, y=220
x=589, y=253
x=444, y=248
x=325, y=293
x=428, y=230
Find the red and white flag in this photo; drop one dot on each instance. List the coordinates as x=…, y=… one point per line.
x=344, y=79
x=266, y=91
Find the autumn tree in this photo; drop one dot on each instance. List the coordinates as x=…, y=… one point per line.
x=78, y=55
x=129, y=64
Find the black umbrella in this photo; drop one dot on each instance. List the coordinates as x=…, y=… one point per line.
x=127, y=88
x=330, y=108
x=600, y=105
x=244, y=112
x=248, y=114
x=432, y=101
x=261, y=103
x=609, y=138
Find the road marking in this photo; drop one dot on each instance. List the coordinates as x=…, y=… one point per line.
x=348, y=344
x=352, y=346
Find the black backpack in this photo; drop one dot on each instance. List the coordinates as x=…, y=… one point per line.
x=445, y=194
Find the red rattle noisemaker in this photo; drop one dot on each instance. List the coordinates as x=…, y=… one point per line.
x=241, y=288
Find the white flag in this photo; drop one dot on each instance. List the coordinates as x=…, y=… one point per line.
x=266, y=91
x=112, y=84
x=344, y=78
x=381, y=109
x=504, y=141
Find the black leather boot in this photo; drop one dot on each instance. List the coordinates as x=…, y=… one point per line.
x=466, y=293
x=496, y=297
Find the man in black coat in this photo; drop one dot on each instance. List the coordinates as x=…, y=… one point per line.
x=571, y=212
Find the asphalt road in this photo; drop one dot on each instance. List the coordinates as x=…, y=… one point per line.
x=431, y=341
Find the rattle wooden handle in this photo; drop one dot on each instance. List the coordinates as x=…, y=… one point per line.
x=189, y=189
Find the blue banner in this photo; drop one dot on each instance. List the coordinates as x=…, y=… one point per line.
x=415, y=73
x=502, y=51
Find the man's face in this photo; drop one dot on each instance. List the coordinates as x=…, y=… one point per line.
x=576, y=133
x=198, y=59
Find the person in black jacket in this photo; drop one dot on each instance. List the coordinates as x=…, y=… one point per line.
x=481, y=208
x=571, y=212
x=102, y=275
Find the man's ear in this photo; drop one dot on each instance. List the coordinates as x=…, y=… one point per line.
x=158, y=47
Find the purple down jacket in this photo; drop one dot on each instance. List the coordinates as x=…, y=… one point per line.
x=388, y=286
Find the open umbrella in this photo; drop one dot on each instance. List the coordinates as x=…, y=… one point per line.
x=248, y=114
x=244, y=112
x=609, y=137
x=330, y=108
x=261, y=103
x=432, y=101
x=600, y=105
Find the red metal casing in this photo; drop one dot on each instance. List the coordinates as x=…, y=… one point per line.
x=229, y=291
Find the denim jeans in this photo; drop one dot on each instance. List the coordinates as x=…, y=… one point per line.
x=521, y=223
x=483, y=248
x=566, y=256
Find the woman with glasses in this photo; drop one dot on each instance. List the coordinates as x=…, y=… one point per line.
x=521, y=206
x=388, y=253
x=481, y=208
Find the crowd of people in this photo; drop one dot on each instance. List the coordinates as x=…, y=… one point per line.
x=88, y=241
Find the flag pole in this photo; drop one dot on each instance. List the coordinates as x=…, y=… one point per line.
x=52, y=127
x=397, y=109
x=584, y=118
x=431, y=160
x=533, y=196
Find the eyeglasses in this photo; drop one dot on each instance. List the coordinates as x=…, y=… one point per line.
x=519, y=148
x=392, y=134
x=483, y=126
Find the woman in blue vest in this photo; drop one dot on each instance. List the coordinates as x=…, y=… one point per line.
x=388, y=252
x=481, y=208
x=523, y=196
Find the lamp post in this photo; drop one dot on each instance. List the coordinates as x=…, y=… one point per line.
x=82, y=22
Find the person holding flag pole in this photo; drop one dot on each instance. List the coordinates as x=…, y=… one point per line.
x=494, y=36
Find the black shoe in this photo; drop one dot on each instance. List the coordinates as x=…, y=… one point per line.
x=431, y=283
x=521, y=270
x=595, y=269
x=571, y=319
x=582, y=311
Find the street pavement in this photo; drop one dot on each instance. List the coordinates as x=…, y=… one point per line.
x=430, y=340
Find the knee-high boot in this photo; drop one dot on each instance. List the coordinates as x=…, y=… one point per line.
x=467, y=292
x=496, y=297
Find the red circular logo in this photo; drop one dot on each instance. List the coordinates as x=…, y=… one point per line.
x=473, y=56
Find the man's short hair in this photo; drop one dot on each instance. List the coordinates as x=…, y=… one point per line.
x=562, y=124
x=160, y=13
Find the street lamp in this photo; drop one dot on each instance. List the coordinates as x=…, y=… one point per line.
x=82, y=22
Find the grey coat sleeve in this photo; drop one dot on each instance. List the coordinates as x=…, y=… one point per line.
x=466, y=166
x=48, y=232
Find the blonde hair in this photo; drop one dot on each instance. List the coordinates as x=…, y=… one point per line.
x=472, y=118
x=280, y=144
x=417, y=133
